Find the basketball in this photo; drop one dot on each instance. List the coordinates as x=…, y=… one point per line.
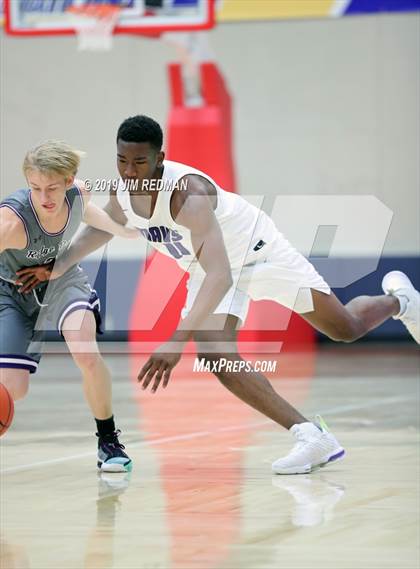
x=7, y=409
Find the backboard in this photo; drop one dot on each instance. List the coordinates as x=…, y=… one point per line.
x=52, y=17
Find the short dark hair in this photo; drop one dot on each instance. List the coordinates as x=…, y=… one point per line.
x=141, y=129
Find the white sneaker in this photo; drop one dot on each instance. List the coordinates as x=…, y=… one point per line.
x=399, y=285
x=315, y=447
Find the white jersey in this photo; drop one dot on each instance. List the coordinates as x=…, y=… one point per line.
x=246, y=229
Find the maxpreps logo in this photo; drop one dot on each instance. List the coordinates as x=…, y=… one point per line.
x=168, y=237
x=221, y=365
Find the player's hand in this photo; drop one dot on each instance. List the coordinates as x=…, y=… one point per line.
x=159, y=366
x=30, y=277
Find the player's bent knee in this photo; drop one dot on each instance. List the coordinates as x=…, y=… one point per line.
x=216, y=353
x=347, y=334
x=86, y=361
x=82, y=345
x=79, y=326
x=19, y=390
x=16, y=381
x=212, y=347
x=224, y=366
x=208, y=358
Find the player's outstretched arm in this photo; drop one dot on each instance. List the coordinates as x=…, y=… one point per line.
x=207, y=239
x=196, y=213
x=100, y=219
x=87, y=241
x=90, y=238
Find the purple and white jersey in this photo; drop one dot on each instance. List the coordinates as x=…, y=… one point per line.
x=245, y=228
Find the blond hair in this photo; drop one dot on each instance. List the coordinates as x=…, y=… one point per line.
x=53, y=156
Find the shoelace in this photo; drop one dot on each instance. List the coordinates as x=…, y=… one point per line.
x=301, y=441
x=112, y=439
x=302, y=437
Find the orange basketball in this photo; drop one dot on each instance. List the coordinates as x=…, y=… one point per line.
x=7, y=409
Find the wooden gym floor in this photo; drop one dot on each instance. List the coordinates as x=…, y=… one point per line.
x=201, y=494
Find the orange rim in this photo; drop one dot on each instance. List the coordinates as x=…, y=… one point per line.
x=95, y=10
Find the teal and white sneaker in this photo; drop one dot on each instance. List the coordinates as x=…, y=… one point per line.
x=315, y=447
x=399, y=285
x=111, y=455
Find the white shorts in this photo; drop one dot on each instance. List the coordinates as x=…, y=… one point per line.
x=277, y=272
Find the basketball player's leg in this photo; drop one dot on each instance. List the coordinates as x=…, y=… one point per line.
x=285, y=276
x=252, y=387
x=347, y=323
x=16, y=381
x=72, y=308
x=217, y=339
x=79, y=331
x=317, y=447
x=16, y=332
x=364, y=313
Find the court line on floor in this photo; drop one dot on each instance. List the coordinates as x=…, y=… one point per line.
x=368, y=404
x=199, y=434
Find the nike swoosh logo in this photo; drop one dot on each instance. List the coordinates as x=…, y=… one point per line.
x=259, y=245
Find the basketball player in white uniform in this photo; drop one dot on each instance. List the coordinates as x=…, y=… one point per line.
x=234, y=252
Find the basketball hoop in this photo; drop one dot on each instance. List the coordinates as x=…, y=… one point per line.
x=94, y=25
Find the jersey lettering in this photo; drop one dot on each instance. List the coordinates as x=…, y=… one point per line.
x=169, y=237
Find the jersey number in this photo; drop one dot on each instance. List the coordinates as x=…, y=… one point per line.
x=177, y=249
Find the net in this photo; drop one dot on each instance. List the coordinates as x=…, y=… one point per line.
x=94, y=25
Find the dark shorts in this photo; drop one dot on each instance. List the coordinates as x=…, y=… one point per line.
x=26, y=318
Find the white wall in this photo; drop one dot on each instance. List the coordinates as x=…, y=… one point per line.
x=329, y=106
